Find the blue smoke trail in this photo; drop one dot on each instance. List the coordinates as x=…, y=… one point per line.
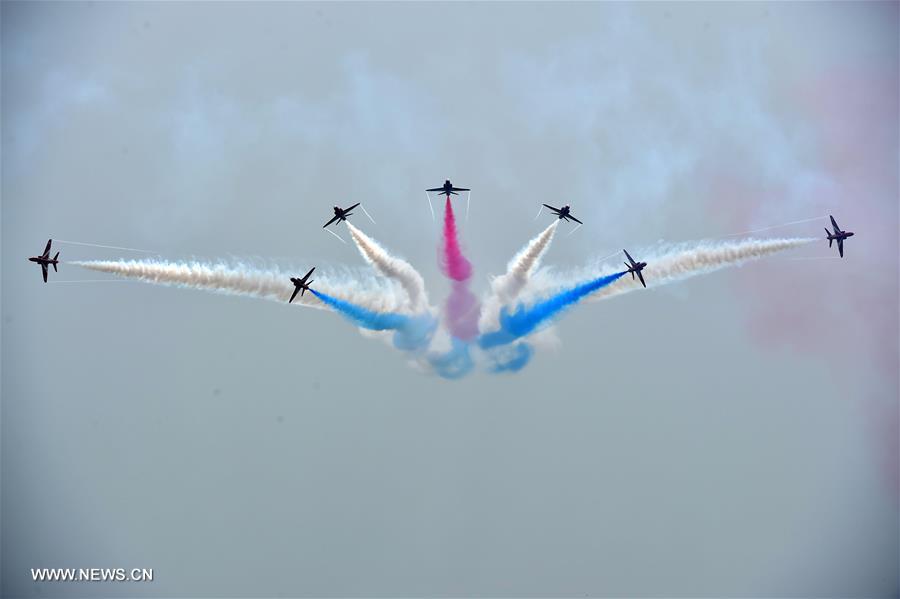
x=510, y=358
x=454, y=364
x=416, y=333
x=412, y=332
x=525, y=320
x=362, y=317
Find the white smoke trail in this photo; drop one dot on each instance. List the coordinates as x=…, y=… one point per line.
x=665, y=265
x=430, y=207
x=817, y=258
x=110, y=247
x=506, y=287
x=367, y=214
x=336, y=235
x=242, y=279
x=92, y=281
x=393, y=268
x=754, y=231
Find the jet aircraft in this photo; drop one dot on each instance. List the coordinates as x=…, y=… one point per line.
x=45, y=260
x=563, y=213
x=447, y=189
x=341, y=214
x=838, y=236
x=635, y=268
x=301, y=284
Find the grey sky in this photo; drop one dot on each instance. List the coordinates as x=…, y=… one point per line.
x=733, y=435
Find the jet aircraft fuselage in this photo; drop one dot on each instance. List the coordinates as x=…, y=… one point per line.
x=838, y=236
x=301, y=284
x=45, y=260
x=564, y=213
x=340, y=214
x=448, y=189
x=635, y=268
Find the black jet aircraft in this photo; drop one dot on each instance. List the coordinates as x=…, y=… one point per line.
x=340, y=214
x=447, y=189
x=838, y=236
x=563, y=213
x=635, y=268
x=301, y=284
x=45, y=260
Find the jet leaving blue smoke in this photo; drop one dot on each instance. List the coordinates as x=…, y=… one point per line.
x=412, y=332
x=526, y=320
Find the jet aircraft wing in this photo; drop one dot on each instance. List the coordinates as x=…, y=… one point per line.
x=641, y=277
x=293, y=295
x=630, y=259
x=334, y=218
x=435, y=189
x=46, y=253
x=575, y=219
x=841, y=247
x=351, y=207
x=556, y=210
x=837, y=229
x=306, y=276
x=44, y=271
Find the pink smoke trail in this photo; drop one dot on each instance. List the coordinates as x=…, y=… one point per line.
x=462, y=309
x=453, y=263
x=462, y=312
